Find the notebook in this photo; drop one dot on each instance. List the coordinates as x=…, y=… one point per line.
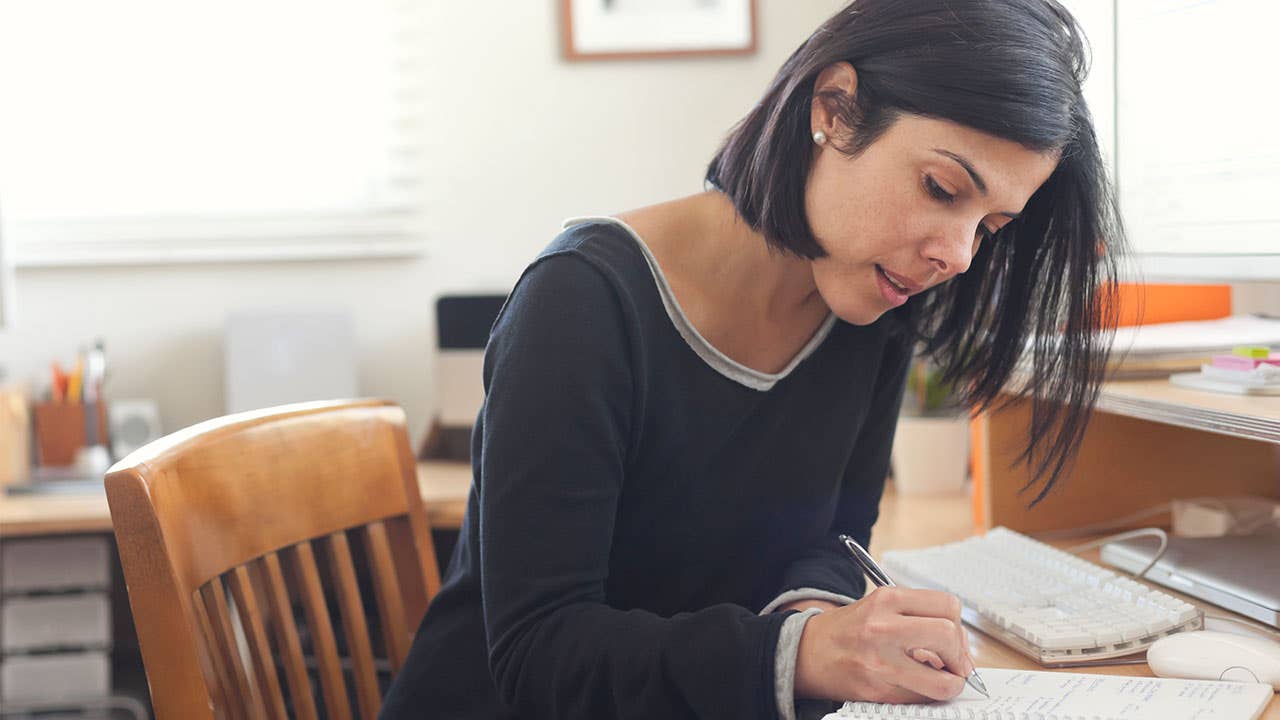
x=1038, y=695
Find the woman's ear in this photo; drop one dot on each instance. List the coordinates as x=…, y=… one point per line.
x=841, y=81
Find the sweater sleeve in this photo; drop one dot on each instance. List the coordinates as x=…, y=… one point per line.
x=825, y=567
x=556, y=431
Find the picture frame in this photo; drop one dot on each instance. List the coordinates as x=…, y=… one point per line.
x=627, y=29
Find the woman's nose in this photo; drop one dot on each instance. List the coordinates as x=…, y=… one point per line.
x=951, y=255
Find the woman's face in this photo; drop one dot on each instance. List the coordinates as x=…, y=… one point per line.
x=910, y=211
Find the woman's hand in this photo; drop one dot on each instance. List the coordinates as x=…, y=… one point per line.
x=877, y=649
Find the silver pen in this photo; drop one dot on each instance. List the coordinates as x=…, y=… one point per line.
x=881, y=579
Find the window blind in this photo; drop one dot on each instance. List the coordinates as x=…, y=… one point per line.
x=175, y=130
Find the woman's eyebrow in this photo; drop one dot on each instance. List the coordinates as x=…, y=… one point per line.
x=968, y=167
x=978, y=182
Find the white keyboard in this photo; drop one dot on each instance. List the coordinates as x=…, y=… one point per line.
x=1046, y=603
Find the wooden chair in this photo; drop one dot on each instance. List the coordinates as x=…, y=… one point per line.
x=219, y=527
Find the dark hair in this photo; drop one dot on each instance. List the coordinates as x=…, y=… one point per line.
x=1009, y=68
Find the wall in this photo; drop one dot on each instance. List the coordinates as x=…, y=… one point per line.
x=516, y=140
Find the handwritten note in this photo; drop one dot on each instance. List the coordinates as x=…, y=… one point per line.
x=1038, y=695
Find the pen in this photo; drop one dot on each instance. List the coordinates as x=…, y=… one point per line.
x=58, y=385
x=75, y=382
x=878, y=576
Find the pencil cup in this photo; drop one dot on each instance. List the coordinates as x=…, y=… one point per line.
x=59, y=432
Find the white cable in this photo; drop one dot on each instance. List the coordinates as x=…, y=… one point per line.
x=1156, y=532
x=1252, y=625
x=1106, y=525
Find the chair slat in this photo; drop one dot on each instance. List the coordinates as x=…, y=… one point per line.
x=215, y=603
x=332, y=686
x=212, y=653
x=264, y=665
x=290, y=648
x=418, y=579
x=387, y=590
x=354, y=624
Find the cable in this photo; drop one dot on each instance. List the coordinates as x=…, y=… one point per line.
x=1156, y=532
x=1252, y=625
x=1115, y=524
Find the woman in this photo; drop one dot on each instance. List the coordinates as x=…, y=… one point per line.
x=688, y=402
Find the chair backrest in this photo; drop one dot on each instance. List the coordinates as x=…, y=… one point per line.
x=219, y=528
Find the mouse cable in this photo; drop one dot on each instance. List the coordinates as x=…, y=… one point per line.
x=1151, y=532
x=1095, y=528
x=1246, y=622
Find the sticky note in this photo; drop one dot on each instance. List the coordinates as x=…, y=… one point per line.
x=1234, y=362
x=1252, y=351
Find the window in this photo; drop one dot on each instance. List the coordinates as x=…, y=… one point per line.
x=174, y=130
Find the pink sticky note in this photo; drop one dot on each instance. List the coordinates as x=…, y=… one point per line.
x=1235, y=362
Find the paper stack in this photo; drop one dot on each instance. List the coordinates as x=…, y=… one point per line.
x=1248, y=370
x=1158, y=350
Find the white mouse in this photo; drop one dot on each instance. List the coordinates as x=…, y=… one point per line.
x=1211, y=655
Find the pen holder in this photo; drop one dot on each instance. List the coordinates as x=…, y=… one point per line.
x=63, y=428
x=59, y=432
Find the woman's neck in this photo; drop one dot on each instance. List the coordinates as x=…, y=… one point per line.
x=757, y=305
x=729, y=260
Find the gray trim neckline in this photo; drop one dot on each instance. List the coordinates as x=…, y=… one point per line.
x=718, y=361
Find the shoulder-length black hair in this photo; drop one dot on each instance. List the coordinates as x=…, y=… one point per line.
x=1009, y=68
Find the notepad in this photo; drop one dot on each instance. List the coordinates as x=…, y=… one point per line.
x=1038, y=695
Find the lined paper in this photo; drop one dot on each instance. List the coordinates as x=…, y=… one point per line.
x=1039, y=695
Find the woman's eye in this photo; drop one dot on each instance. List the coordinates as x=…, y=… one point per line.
x=936, y=191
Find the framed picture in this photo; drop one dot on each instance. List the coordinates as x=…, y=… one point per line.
x=610, y=29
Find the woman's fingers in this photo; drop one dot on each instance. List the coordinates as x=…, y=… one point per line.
x=927, y=657
x=939, y=636
x=896, y=645
x=919, y=678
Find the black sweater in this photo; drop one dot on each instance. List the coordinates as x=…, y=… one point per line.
x=636, y=502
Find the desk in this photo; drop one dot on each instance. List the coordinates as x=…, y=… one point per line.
x=905, y=522
x=444, y=487
x=1148, y=442
x=918, y=520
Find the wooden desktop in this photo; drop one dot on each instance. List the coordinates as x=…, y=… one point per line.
x=444, y=487
x=905, y=522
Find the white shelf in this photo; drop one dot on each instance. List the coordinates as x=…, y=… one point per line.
x=1249, y=417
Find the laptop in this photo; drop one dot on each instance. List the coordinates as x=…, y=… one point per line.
x=1237, y=572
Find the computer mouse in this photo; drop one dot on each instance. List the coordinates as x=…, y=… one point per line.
x=1211, y=655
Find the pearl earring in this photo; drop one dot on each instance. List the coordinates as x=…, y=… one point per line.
x=819, y=137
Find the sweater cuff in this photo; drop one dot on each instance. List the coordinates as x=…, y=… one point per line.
x=805, y=594
x=784, y=662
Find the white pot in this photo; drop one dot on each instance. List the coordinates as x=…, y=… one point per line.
x=931, y=455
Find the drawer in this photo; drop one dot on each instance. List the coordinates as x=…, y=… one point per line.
x=70, y=563
x=60, y=676
x=81, y=621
